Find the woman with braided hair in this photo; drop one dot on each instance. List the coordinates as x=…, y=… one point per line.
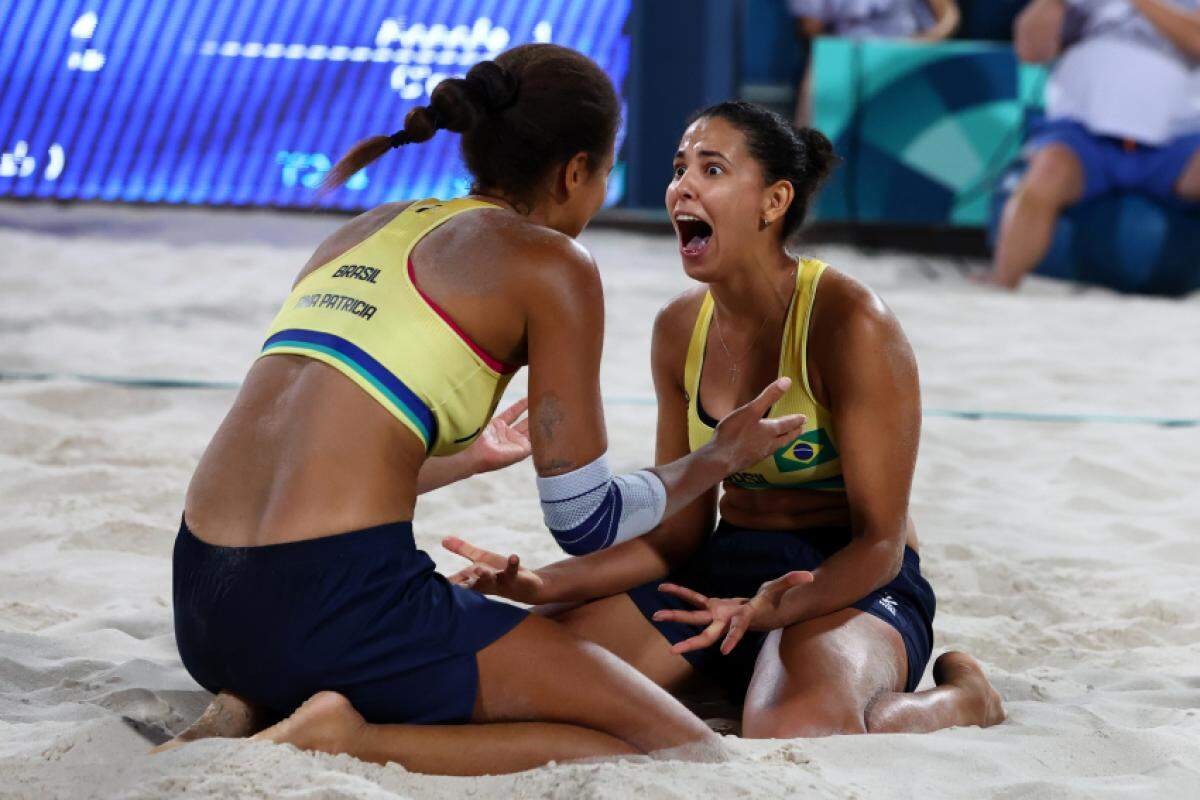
x=298, y=588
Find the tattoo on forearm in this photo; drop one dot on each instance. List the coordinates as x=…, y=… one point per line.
x=549, y=415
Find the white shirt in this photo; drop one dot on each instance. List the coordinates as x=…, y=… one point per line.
x=865, y=19
x=1119, y=76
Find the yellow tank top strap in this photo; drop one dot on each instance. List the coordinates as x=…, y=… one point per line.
x=808, y=276
x=418, y=220
x=695, y=353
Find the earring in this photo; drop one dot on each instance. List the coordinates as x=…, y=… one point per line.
x=763, y=223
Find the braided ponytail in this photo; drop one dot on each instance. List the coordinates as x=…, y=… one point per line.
x=456, y=104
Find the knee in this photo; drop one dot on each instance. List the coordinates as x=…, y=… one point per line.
x=1054, y=180
x=1040, y=193
x=679, y=731
x=809, y=720
x=1188, y=185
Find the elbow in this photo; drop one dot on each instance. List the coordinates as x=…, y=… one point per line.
x=597, y=532
x=897, y=563
x=1035, y=49
x=894, y=560
x=809, y=28
x=1037, y=37
x=1031, y=55
x=950, y=22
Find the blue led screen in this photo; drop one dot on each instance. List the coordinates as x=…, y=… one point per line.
x=249, y=102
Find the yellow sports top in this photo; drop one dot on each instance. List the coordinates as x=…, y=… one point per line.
x=364, y=315
x=810, y=461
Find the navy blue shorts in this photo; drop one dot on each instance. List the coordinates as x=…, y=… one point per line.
x=735, y=562
x=361, y=613
x=1109, y=166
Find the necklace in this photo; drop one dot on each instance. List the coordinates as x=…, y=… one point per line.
x=736, y=363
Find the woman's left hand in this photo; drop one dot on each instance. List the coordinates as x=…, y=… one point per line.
x=730, y=617
x=503, y=441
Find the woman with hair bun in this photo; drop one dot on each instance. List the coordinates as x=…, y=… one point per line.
x=298, y=588
x=806, y=601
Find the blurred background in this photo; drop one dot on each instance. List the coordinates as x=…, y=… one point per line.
x=234, y=104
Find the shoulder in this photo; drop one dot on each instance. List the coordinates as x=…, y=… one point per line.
x=673, y=327
x=546, y=262
x=353, y=232
x=528, y=263
x=848, y=311
x=523, y=248
x=855, y=340
x=675, y=320
x=544, y=272
x=370, y=221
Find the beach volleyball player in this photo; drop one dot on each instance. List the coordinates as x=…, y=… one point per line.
x=807, y=600
x=295, y=571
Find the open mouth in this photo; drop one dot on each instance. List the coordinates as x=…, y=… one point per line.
x=694, y=234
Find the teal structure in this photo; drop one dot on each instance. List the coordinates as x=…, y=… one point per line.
x=925, y=131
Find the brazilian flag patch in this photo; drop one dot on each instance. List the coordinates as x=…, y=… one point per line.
x=810, y=449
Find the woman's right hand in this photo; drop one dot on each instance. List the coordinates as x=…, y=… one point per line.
x=746, y=436
x=492, y=573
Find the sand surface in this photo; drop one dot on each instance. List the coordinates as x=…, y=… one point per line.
x=1065, y=555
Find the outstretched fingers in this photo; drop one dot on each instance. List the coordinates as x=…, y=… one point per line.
x=510, y=414
x=773, y=591
x=461, y=547
x=739, y=623
x=684, y=593
x=464, y=577
x=767, y=397
x=706, y=638
x=702, y=617
x=786, y=428
x=471, y=576
x=510, y=570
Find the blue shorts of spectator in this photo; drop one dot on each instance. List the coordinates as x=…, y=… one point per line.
x=1112, y=165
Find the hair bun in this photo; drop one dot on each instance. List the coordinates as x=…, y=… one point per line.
x=461, y=104
x=496, y=86
x=819, y=156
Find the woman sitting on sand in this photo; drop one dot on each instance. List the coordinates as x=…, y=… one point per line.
x=811, y=583
x=295, y=569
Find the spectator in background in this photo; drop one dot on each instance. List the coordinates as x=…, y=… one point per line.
x=1123, y=114
x=918, y=20
x=922, y=20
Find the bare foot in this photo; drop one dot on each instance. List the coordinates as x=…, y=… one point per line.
x=326, y=722
x=227, y=716
x=985, y=706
